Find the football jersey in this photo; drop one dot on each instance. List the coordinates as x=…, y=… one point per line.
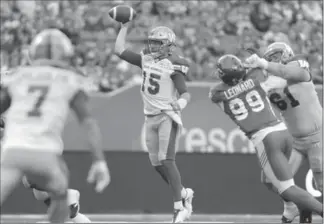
x=40, y=103
x=299, y=106
x=247, y=103
x=157, y=88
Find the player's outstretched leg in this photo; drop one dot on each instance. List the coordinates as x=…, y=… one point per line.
x=161, y=135
x=10, y=177
x=186, y=193
x=290, y=209
x=287, y=188
x=73, y=202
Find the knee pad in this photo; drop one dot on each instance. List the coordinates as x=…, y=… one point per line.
x=284, y=185
x=41, y=195
x=58, y=185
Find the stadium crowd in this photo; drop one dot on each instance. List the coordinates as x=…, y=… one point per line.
x=205, y=30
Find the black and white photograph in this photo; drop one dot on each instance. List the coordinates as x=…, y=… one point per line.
x=143, y=111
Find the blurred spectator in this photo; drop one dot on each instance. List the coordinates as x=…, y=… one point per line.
x=205, y=30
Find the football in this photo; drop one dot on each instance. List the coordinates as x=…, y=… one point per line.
x=122, y=13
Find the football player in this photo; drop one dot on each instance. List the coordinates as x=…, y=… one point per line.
x=73, y=195
x=38, y=98
x=245, y=101
x=299, y=106
x=163, y=74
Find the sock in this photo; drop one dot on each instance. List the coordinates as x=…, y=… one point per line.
x=289, y=204
x=80, y=218
x=183, y=192
x=47, y=202
x=161, y=170
x=303, y=199
x=58, y=211
x=174, y=178
x=178, y=205
x=290, y=210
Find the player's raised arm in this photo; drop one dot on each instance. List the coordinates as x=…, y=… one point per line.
x=274, y=61
x=295, y=71
x=99, y=172
x=120, y=49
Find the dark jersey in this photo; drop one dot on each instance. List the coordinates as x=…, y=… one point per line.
x=247, y=103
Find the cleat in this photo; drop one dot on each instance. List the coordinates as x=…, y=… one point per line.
x=286, y=220
x=305, y=217
x=187, y=202
x=289, y=214
x=179, y=216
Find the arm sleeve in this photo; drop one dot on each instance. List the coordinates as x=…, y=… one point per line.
x=179, y=82
x=132, y=57
x=214, y=95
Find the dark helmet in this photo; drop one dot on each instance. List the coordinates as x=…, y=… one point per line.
x=230, y=69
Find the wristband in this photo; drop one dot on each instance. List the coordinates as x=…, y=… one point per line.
x=265, y=64
x=182, y=103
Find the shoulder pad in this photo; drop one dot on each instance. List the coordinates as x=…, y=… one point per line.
x=256, y=74
x=9, y=76
x=297, y=57
x=179, y=64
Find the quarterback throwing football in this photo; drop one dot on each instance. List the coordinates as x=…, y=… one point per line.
x=164, y=95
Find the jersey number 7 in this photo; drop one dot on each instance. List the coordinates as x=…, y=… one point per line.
x=41, y=93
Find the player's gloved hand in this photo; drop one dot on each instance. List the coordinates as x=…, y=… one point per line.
x=26, y=182
x=99, y=174
x=175, y=106
x=254, y=61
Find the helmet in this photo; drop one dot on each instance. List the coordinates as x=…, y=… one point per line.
x=230, y=69
x=161, y=41
x=51, y=44
x=278, y=52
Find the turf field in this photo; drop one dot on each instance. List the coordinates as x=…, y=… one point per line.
x=158, y=218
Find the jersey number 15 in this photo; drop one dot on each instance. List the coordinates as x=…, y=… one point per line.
x=154, y=86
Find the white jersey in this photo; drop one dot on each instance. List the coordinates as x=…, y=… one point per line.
x=40, y=103
x=158, y=90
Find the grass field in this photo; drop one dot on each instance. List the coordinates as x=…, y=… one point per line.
x=158, y=218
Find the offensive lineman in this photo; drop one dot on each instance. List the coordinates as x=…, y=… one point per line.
x=245, y=101
x=38, y=98
x=299, y=106
x=163, y=75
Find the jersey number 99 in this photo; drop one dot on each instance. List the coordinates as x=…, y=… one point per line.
x=154, y=86
x=253, y=100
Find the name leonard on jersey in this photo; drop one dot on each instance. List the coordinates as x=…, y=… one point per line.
x=238, y=89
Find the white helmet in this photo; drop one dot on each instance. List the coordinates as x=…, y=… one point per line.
x=51, y=44
x=161, y=41
x=278, y=52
